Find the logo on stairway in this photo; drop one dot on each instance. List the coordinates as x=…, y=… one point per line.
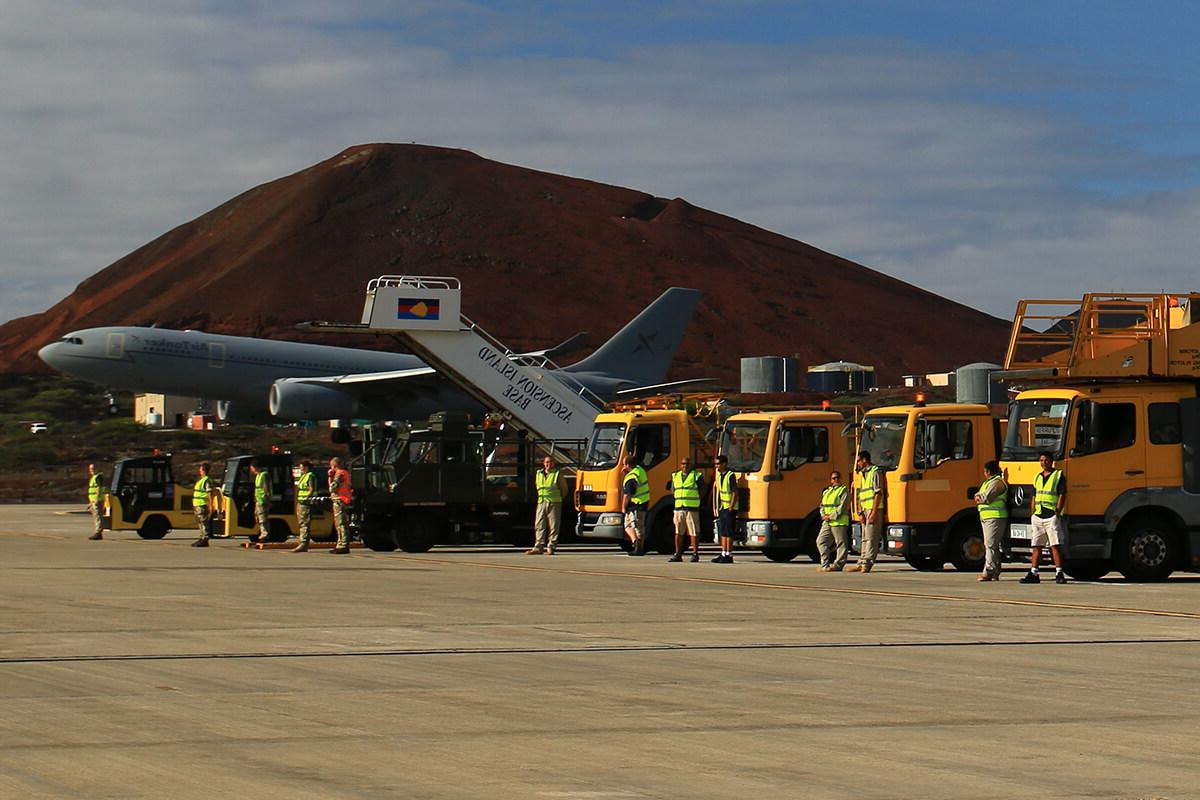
x=418, y=308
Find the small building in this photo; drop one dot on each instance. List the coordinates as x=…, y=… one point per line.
x=163, y=410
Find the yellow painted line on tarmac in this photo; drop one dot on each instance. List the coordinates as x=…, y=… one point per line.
x=789, y=587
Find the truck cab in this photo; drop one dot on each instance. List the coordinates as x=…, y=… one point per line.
x=144, y=497
x=659, y=438
x=933, y=457
x=1128, y=454
x=783, y=460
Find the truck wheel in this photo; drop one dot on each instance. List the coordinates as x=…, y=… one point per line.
x=811, y=550
x=379, y=540
x=418, y=535
x=967, y=552
x=781, y=554
x=925, y=563
x=1145, y=549
x=662, y=536
x=1086, y=569
x=155, y=527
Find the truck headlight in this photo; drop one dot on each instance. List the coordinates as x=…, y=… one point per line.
x=610, y=519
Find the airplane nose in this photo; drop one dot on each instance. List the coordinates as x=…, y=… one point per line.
x=49, y=353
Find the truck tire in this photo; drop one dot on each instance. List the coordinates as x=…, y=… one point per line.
x=1146, y=548
x=781, y=554
x=967, y=552
x=154, y=527
x=1086, y=569
x=417, y=534
x=278, y=531
x=377, y=538
x=662, y=534
x=810, y=547
x=925, y=563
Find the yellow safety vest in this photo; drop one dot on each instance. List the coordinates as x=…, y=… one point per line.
x=996, y=508
x=686, y=489
x=867, y=493
x=641, y=495
x=200, y=492
x=1047, y=490
x=727, y=497
x=260, y=488
x=304, y=487
x=94, y=489
x=831, y=500
x=547, y=487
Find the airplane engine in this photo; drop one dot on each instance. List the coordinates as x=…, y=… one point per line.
x=241, y=414
x=310, y=401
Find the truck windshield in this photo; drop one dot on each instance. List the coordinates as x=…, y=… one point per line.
x=604, y=448
x=1035, y=426
x=745, y=445
x=882, y=437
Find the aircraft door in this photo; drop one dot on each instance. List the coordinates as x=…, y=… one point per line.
x=114, y=345
x=216, y=355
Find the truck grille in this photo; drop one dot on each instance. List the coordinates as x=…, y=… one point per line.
x=588, y=498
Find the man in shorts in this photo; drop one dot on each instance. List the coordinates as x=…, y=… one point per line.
x=635, y=497
x=1049, y=496
x=687, y=488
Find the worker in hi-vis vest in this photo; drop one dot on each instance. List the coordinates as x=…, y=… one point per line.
x=869, y=506
x=635, y=497
x=96, y=492
x=203, y=493
x=833, y=540
x=262, y=501
x=725, y=508
x=548, y=516
x=687, y=489
x=1049, y=496
x=305, y=491
x=992, y=501
x=340, y=496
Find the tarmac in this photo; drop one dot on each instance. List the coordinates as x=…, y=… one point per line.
x=149, y=669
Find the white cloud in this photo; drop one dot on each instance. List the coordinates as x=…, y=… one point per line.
x=117, y=126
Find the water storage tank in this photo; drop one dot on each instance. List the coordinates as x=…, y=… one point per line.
x=975, y=384
x=841, y=376
x=154, y=420
x=767, y=374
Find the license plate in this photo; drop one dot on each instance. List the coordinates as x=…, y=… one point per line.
x=1018, y=531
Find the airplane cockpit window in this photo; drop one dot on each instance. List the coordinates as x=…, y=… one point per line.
x=71, y=340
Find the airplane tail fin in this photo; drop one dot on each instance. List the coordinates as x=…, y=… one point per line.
x=643, y=350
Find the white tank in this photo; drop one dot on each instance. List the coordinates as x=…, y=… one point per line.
x=974, y=384
x=768, y=374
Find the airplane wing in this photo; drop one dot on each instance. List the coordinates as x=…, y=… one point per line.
x=659, y=388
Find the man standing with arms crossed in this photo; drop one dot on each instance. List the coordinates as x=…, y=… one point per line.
x=725, y=508
x=835, y=525
x=202, y=494
x=340, y=496
x=992, y=500
x=304, y=500
x=635, y=496
x=868, y=506
x=548, y=515
x=1049, y=495
x=687, y=486
x=262, y=501
x=96, y=492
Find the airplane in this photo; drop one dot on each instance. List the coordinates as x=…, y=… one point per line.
x=266, y=380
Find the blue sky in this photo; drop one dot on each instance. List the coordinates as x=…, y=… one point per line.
x=983, y=151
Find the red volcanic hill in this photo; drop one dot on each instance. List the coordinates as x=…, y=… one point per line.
x=540, y=256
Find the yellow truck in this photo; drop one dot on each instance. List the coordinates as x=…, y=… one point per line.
x=783, y=460
x=1118, y=409
x=659, y=438
x=932, y=457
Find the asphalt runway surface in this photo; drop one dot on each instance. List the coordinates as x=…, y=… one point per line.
x=150, y=669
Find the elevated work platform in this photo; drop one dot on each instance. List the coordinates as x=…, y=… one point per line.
x=424, y=313
x=1106, y=336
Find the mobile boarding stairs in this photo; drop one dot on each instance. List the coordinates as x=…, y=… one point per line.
x=425, y=315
